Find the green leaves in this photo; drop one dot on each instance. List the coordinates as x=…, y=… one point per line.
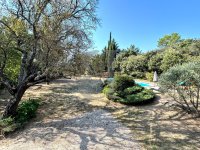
x=169, y=40
x=27, y=110
x=124, y=90
x=182, y=83
x=172, y=57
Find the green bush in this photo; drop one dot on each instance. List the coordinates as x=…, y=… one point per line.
x=27, y=110
x=149, y=76
x=138, y=74
x=124, y=90
x=107, y=90
x=121, y=82
x=7, y=125
x=133, y=90
x=140, y=98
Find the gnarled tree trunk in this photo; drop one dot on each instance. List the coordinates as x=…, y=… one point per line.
x=11, y=108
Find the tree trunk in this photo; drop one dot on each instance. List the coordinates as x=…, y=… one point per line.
x=11, y=108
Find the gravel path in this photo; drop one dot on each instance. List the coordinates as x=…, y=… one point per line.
x=89, y=129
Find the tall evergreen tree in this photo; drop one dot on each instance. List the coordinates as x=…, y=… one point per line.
x=112, y=49
x=104, y=58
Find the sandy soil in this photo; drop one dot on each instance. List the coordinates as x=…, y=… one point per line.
x=72, y=116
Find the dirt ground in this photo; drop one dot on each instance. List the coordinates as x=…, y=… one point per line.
x=75, y=115
x=71, y=117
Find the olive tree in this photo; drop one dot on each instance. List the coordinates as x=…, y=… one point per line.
x=182, y=83
x=51, y=29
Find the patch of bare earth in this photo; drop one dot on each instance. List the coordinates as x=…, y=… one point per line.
x=72, y=116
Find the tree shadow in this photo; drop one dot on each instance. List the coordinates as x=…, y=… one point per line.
x=88, y=86
x=155, y=124
x=96, y=129
x=161, y=127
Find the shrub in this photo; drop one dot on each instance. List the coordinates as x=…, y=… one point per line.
x=107, y=90
x=182, y=83
x=149, y=76
x=124, y=90
x=121, y=82
x=133, y=90
x=139, y=98
x=7, y=125
x=27, y=110
x=138, y=74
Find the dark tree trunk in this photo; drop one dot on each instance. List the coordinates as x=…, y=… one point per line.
x=11, y=108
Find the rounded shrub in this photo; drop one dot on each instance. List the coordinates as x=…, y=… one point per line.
x=133, y=90
x=142, y=97
x=121, y=82
x=123, y=89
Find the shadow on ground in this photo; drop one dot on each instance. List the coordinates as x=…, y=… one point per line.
x=66, y=112
x=94, y=130
x=158, y=126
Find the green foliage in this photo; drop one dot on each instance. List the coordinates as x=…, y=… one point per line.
x=138, y=74
x=149, y=76
x=8, y=49
x=7, y=125
x=124, y=90
x=13, y=65
x=182, y=83
x=124, y=54
x=108, y=91
x=133, y=90
x=134, y=66
x=6, y=122
x=155, y=62
x=111, y=55
x=121, y=82
x=169, y=40
x=27, y=110
x=171, y=58
x=142, y=97
x=97, y=64
x=172, y=51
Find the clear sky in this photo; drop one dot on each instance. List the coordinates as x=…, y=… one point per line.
x=143, y=22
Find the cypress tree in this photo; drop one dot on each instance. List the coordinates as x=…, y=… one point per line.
x=111, y=54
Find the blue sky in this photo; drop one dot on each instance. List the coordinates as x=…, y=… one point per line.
x=143, y=22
